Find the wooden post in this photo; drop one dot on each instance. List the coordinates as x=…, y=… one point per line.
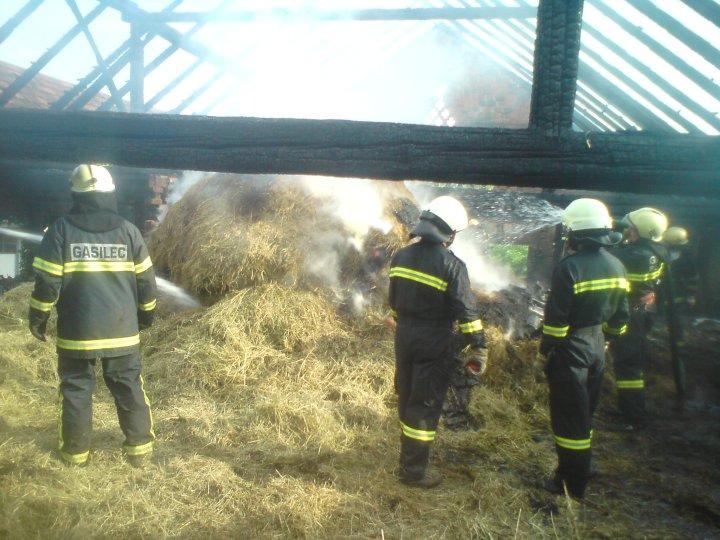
x=137, y=69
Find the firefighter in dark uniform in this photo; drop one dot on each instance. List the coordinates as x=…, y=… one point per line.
x=94, y=267
x=429, y=291
x=643, y=258
x=682, y=268
x=587, y=300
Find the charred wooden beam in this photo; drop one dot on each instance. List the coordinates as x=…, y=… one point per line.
x=132, y=11
x=16, y=20
x=87, y=82
x=661, y=83
x=677, y=28
x=672, y=56
x=192, y=98
x=137, y=69
x=26, y=76
x=633, y=162
x=381, y=14
x=172, y=85
x=107, y=78
x=557, y=47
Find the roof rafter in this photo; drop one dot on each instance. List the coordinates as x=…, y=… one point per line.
x=26, y=76
x=17, y=19
x=72, y=4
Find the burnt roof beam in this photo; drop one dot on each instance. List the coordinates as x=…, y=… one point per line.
x=555, y=68
x=192, y=98
x=381, y=14
x=26, y=76
x=132, y=11
x=639, y=88
x=679, y=30
x=93, y=76
x=16, y=20
x=167, y=53
x=671, y=56
x=630, y=161
x=98, y=56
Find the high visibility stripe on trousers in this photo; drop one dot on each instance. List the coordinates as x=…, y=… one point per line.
x=573, y=444
x=76, y=459
x=556, y=331
x=630, y=384
x=146, y=448
x=417, y=434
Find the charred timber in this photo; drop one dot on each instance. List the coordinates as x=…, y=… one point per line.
x=638, y=162
x=380, y=14
x=555, y=66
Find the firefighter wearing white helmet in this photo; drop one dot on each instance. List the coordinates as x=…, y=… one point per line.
x=429, y=292
x=93, y=267
x=89, y=178
x=587, y=302
x=646, y=262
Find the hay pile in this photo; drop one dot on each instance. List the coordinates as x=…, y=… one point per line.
x=276, y=417
x=229, y=232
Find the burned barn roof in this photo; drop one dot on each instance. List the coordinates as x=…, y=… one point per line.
x=642, y=64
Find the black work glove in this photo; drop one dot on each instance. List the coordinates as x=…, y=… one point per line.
x=145, y=319
x=38, y=323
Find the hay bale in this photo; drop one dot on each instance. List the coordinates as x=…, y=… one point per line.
x=229, y=232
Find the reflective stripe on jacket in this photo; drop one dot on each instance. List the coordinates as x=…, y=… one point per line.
x=430, y=285
x=589, y=288
x=98, y=281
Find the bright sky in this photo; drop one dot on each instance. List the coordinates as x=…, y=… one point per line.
x=392, y=71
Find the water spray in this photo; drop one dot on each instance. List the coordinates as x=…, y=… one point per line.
x=183, y=298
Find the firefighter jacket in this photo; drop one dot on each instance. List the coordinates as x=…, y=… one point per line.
x=645, y=265
x=99, y=281
x=429, y=286
x=589, y=288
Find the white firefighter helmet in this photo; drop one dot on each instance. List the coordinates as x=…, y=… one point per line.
x=450, y=211
x=676, y=236
x=586, y=215
x=91, y=178
x=649, y=223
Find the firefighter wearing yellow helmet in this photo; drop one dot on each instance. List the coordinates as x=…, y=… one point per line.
x=429, y=292
x=587, y=302
x=645, y=260
x=94, y=269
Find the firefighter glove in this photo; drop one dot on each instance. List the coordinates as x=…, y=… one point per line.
x=38, y=323
x=474, y=361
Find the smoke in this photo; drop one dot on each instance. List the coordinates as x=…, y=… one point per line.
x=358, y=203
x=360, y=206
x=484, y=274
x=186, y=181
x=327, y=251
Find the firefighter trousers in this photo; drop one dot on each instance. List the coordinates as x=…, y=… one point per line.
x=124, y=380
x=574, y=372
x=629, y=353
x=424, y=360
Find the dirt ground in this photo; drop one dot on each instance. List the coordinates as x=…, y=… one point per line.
x=311, y=453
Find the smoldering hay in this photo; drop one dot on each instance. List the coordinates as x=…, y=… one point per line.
x=229, y=232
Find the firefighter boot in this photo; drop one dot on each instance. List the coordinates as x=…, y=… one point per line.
x=139, y=461
x=429, y=480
